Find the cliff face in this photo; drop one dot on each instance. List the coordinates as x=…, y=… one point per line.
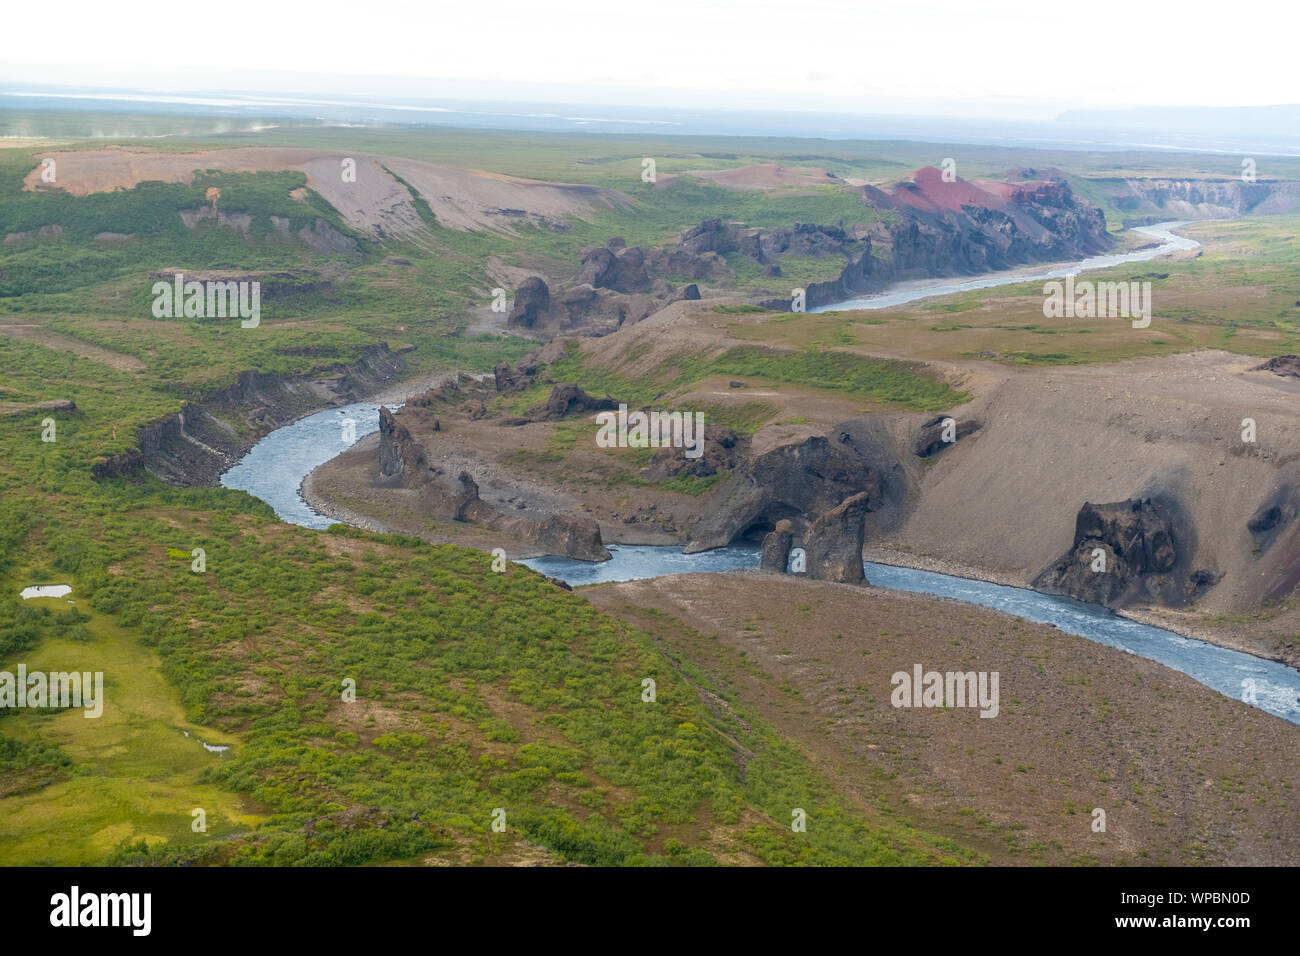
x=941, y=228
x=1152, y=200
x=798, y=481
x=932, y=227
x=214, y=428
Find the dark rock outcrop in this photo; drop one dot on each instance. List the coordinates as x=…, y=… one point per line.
x=687, y=293
x=925, y=232
x=1272, y=517
x=833, y=543
x=516, y=378
x=400, y=456
x=1014, y=224
x=615, y=266
x=1266, y=518
x=465, y=502
x=931, y=438
x=1284, y=365
x=721, y=450
x=574, y=535
x=804, y=479
x=532, y=300
x=776, y=548
x=1144, y=542
x=568, y=399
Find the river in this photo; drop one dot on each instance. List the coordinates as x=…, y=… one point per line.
x=904, y=292
x=1274, y=687
x=275, y=467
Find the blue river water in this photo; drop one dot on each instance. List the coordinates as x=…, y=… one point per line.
x=274, y=468
x=1270, y=686
x=925, y=288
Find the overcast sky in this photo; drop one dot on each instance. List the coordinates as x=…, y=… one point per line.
x=980, y=58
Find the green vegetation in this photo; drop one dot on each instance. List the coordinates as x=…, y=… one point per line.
x=474, y=690
x=739, y=309
x=879, y=381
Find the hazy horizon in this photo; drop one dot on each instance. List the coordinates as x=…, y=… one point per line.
x=1260, y=130
x=702, y=54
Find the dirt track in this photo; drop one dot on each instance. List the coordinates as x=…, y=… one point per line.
x=65, y=343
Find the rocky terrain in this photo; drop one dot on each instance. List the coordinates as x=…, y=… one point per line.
x=1145, y=201
x=404, y=463
x=214, y=428
x=1129, y=552
x=923, y=227
x=821, y=488
x=1146, y=460
x=1137, y=464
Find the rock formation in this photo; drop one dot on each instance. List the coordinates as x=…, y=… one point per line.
x=574, y=535
x=931, y=438
x=1127, y=552
x=568, y=399
x=532, y=300
x=833, y=543
x=212, y=431
x=615, y=266
x=514, y=378
x=930, y=228
x=1284, y=365
x=776, y=548
x=1273, y=516
x=722, y=449
x=400, y=456
x=402, y=462
x=794, y=481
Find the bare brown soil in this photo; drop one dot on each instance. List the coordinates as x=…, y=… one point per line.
x=1005, y=498
x=1184, y=774
x=376, y=203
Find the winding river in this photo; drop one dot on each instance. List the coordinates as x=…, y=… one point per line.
x=904, y=292
x=275, y=467
x=1270, y=686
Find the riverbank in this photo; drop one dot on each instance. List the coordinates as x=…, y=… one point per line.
x=1080, y=726
x=1181, y=622
x=1163, y=241
x=343, y=488
x=1062, y=419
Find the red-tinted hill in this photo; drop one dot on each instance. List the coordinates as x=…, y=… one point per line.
x=925, y=189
